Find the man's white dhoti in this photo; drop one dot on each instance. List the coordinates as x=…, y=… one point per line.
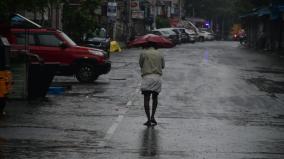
x=151, y=82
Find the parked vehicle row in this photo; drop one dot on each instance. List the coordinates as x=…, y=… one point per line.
x=183, y=35
x=54, y=46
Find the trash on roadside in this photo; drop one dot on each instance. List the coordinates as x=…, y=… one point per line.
x=114, y=46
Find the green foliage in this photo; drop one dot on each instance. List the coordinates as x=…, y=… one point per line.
x=10, y=6
x=223, y=8
x=224, y=13
x=78, y=20
x=245, y=6
x=162, y=22
x=7, y=7
x=209, y=8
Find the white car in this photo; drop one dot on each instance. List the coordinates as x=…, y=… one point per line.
x=205, y=35
x=193, y=35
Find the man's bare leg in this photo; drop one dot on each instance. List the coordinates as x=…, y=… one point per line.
x=154, y=107
x=147, y=108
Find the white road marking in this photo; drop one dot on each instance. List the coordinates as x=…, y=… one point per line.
x=129, y=103
x=118, y=120
x=111, y=130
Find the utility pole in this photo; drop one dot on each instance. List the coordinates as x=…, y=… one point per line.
x=180, y=10
x=129, y=24
x=155, y=13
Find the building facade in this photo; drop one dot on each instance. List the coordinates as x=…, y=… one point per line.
x=137, y=17
x=265, y=28
x=131, y=18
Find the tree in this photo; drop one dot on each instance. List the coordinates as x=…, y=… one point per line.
x=221, y=12
x=76, y=19
x=8, y=7
x=224, y=13
x=80, y=19
x=162, y=22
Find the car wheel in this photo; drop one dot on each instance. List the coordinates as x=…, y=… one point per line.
x=86, y=73
x=201, y=39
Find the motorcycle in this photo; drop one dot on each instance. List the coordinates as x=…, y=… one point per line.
x=243, y=40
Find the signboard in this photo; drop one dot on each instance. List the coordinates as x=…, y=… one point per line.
x=112, y=9
x=135, y=5
x=138, y=14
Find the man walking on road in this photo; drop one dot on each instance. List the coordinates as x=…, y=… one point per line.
x=151, y=63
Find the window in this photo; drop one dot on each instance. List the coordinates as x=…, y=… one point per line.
x=156, y=32
x=70, y=41
x=22, y=39
x=48, y=40
x=165, y=33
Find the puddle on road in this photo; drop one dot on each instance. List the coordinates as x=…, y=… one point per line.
x=70, y=93
x=150, y=143
x=118, y=79
x=266, y=70
x=267, y=85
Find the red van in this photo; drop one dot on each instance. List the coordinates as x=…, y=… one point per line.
x=55, y=46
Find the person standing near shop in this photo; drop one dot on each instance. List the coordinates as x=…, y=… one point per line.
x=151, y=62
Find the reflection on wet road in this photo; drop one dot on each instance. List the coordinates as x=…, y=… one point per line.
x=150, y=142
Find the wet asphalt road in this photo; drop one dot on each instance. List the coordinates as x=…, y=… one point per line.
x=219, y=101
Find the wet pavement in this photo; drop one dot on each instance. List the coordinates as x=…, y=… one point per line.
x=219, y=101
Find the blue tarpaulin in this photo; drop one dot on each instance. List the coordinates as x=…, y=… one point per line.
x=263, y=12
x=281, y=8
x=251, y=14
x=274, y=12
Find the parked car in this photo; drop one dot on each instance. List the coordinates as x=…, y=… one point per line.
x=168, y=33
x=184, y=37
x=187, y=36
x=181, y=38
x=205, y=35
x=55, y=46
x=192, y=35
x=98, y=39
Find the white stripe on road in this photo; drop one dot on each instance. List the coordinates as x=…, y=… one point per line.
x=118, y=120
x=111, y=130
x=114, y=126
x=129, y=103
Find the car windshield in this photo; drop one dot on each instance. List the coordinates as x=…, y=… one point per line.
x=70, y=41
x=165, y=32
x=190, y=31
x=101, y=33
x=169, y=32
